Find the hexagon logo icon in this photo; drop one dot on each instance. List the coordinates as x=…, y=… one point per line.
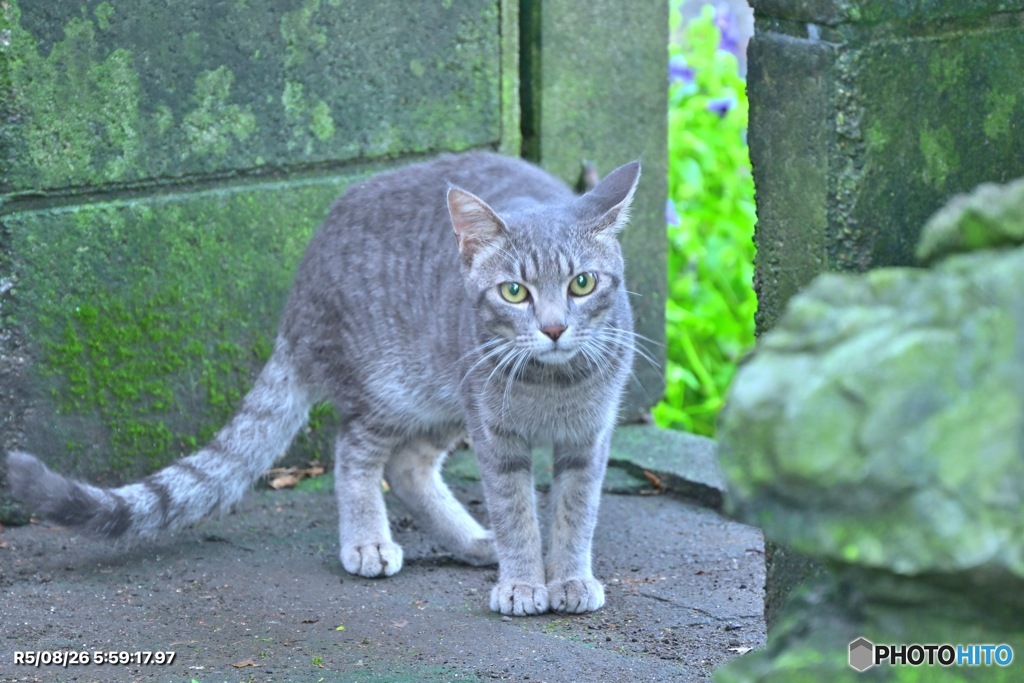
x=862, y=654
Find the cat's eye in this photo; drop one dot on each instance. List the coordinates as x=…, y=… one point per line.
x=513, y=292
x=583, y=284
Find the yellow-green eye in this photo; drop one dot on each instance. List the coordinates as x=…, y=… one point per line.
x=583, y=284
x=513, y=292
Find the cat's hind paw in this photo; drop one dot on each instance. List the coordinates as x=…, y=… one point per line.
x=576, y=596
x=480, y=552
x=518, y=599
x=372, y=560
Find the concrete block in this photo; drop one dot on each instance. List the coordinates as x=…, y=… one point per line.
x=684, y=463
x=122, y=93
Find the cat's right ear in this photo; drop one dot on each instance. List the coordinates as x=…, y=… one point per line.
x=476, y=225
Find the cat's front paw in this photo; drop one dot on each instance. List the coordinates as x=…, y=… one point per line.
x=575, y=596
x=372, y=560
x=519, y=599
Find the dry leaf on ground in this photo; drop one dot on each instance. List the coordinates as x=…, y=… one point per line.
x=287, y=477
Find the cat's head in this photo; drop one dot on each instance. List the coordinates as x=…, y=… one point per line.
x=546, y=279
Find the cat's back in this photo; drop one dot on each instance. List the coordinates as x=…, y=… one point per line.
x=401, y=216
x=411, y=190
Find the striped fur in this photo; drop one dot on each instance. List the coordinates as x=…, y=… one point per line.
x=207, y=482
x=406, y=333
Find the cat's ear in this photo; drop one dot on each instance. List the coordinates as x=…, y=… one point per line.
x=476, y=225
x=607, y=205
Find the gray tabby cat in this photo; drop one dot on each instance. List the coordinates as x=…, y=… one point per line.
x=520, y=336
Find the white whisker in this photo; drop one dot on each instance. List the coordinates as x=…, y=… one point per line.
x=521, y=358
x=506, y=359
x=500, y=345
x=625, y=339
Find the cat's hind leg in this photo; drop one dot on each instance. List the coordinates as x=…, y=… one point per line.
x=414, y=474
x=367, y=548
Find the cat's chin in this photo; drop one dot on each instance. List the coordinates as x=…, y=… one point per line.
x=555, y=356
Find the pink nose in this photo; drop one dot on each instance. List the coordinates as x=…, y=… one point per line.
x=553, y=331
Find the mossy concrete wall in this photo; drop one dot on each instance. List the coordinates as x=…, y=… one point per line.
x=164, y=165
x=865, y=117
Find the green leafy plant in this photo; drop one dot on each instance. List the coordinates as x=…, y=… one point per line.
x=711, y=216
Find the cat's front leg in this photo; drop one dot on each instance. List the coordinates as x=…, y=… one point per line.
x=575, y=497
x=506, y=470
x=367, y=548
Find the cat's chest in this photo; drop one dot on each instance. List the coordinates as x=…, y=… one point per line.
x=546, y=409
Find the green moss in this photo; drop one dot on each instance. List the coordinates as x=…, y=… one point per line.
x=291, y=100
x=451, y=121
x=146, y=337
x=876, y=137
x=211, y=127
x=321, y=123
x=320, y=414
x=938, y=146
x=306, y=116
x=106, y=96
x=104, y=12
x=947, y=70
x=122, y=355
x=92, y=136
x=999, y=107
x=192, y=46
x=302, y=36
x=511, y=139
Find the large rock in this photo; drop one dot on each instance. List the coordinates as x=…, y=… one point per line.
x=811, y=642
x=880, y=428
x=991, y=216
x=880, y=423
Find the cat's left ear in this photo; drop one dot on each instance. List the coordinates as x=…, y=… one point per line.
x=607, y=205
x=476, y=225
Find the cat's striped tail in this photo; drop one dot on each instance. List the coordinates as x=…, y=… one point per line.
x=208, y=481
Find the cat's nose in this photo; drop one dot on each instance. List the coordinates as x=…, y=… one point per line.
x=553, y=331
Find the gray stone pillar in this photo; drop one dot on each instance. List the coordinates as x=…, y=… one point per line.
x=865, y=116
x=595, y=84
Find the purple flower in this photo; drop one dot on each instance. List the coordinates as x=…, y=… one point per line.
x=671, y=217
x=729, y=28
x=720, y=105
x=679, y=70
